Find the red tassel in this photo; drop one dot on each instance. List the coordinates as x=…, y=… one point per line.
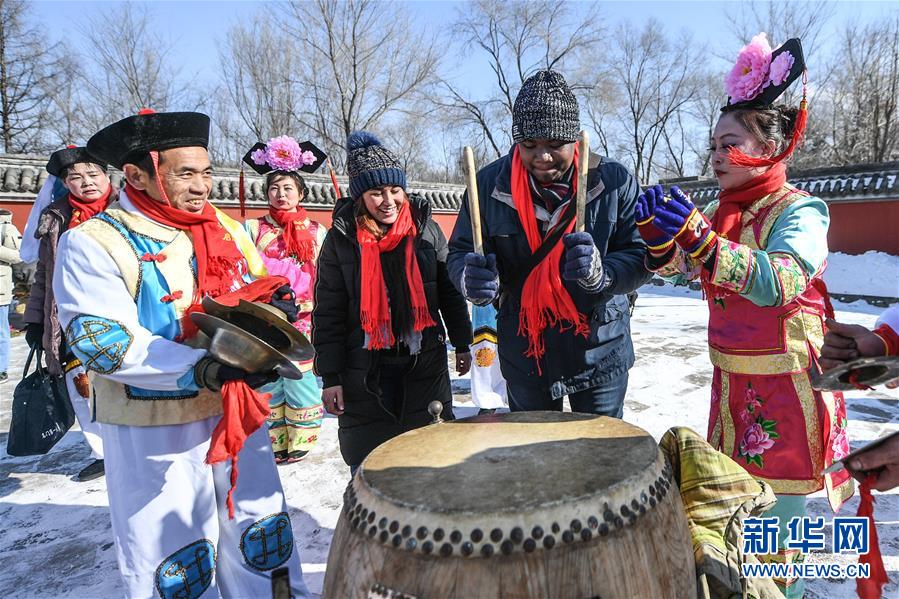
x=870, y=588
x=334, y=180
x=242, y=194
x=738, y=158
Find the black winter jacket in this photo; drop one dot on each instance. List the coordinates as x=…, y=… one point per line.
x=572, y=363
x=338, y=337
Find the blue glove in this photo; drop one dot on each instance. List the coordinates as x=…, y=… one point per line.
x=581, y=261
x=480, y=279
x=658, y=242
x=691, y=230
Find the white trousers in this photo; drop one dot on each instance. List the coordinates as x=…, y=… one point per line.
x=172, y=533
x=82, y=407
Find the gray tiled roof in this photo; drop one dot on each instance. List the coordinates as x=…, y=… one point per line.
x=21, y=177
x=853, y=183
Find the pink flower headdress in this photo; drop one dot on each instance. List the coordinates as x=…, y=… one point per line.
x=281, y=153
x=757, y=79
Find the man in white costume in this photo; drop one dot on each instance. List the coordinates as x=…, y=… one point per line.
x=123, y=282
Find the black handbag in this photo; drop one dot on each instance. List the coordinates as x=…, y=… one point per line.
x=41, y=411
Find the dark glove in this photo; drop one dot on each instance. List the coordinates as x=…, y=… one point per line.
x=480, y=279
x=212, y=374
x=581, y=261
x=691, y=230
x=285, y=300
x=34, y=335
x=657, y=241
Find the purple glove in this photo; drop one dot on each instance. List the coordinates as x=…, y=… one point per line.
x=691, y=230
x=656, y=240
x=480, y=279
x=581, y=261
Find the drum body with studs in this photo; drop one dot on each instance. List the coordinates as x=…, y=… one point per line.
x=520, y=505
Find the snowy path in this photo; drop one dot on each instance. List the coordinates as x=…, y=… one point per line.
x=55, y=538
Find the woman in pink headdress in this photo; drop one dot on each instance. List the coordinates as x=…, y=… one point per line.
x=760, y=260
x=289, y=241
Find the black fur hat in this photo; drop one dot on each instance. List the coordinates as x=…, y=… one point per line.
x=130, y=139
x=60, y=160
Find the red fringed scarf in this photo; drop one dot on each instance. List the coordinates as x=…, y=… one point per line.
x=244, y=410
x=870, y=588
x=732, y=202
x=738, y=158
x=374, y=311
x=217, y=253
x=83, y=210
x=544, y=299
x=298, y=240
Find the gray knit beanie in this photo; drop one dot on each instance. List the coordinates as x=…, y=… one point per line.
x=545, y=109
x=370, y=165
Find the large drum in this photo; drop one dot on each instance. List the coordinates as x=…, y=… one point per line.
x=536, y=504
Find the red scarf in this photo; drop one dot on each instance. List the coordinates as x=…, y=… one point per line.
x=244, y=410
x=544, y=299
x=374, y=311
x=83, y=210
x=298, y=240
x=217, y=254
x=732, y=202
x=870, y=588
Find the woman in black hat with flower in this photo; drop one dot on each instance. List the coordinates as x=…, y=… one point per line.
x=289, y=242
x=761, y=259
x=381, y=291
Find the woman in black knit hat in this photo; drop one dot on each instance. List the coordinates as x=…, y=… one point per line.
x=381, y=291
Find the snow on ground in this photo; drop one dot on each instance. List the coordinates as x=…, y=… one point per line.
x=872, y=273
x=55, y=537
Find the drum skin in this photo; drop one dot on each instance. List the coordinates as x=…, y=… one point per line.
x=521, y=505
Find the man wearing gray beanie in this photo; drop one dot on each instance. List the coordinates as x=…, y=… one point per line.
x=563, y=323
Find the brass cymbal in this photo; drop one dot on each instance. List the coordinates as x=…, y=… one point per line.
x=265, y=322
x=869, y=372
x=239, y=348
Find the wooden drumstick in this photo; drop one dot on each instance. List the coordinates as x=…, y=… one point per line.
x=583, y=145
x=474, y=207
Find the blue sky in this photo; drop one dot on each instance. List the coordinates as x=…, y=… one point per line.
x=199, y=25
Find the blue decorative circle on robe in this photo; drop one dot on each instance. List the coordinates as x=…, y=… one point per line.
x=267, y=543
x=100, y=343
x=188, y=572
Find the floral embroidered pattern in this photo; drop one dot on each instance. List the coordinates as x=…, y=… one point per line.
x=733, y=266
x=760, y=433
x=790, y=276
x=840, y=440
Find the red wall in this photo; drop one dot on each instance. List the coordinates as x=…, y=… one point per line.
x=855, y=227
x=858, y=227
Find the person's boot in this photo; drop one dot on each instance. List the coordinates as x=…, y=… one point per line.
x=95, y=469
x=3, y=376
x=486, y=411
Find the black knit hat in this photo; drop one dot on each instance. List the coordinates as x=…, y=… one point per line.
x=545, y=109
x=370, y=165
x=60, y=160
x=130, y=139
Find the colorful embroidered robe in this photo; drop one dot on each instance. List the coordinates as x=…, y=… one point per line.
x=767, y=305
